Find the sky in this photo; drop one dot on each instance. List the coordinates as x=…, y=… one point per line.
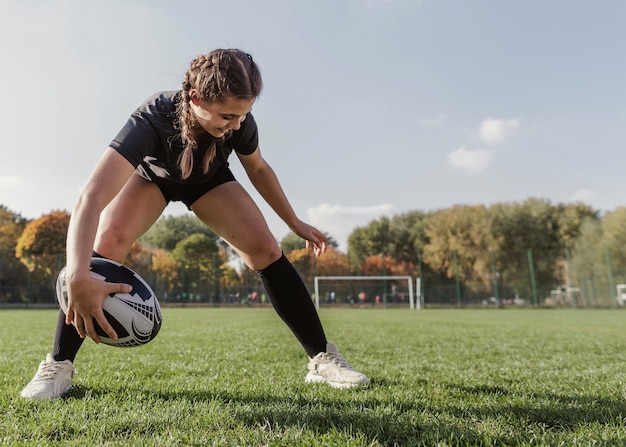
x=370, y=108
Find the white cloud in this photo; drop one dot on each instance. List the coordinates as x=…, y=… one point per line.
x=339, y=221
x=494, y=131
x=583, y=195
x=469, y=161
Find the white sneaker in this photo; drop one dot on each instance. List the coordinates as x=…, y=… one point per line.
x=331, y=368
x=53, y=379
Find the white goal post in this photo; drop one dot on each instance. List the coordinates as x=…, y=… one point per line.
x=408, y=279
x=621, y=294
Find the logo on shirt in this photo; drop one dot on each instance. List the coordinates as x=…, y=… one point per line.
x=157, y=170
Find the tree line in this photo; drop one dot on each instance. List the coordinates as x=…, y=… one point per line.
x=505, y=248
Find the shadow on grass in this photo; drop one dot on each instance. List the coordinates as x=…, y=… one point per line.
x=550, y=410
x=514, y=417
x=315, y=413
x=81, y=392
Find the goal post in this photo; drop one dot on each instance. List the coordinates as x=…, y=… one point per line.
x=408, y=279
x=621, y=294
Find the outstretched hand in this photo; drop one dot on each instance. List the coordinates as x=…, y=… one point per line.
x=313, y=237
x=85, y=298
x=318, y=249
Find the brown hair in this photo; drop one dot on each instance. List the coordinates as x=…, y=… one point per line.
x=218, y=75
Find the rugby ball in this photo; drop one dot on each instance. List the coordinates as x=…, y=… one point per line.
x=135, y=316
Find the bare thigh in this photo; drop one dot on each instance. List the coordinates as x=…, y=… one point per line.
x=231, y=213
x=130, y=214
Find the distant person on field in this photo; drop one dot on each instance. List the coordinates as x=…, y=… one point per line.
x=175, y=147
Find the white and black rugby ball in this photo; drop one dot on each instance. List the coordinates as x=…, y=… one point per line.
x=135, y=316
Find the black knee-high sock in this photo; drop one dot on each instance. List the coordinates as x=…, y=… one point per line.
x=292, y=302
x=67, y=342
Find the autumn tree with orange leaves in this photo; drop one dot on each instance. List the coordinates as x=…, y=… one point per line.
x=41, y=247
x=374, y=266
x=333, y=262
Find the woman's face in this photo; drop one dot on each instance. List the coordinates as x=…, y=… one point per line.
x=217, y=118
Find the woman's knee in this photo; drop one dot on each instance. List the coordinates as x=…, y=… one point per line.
x=262, y=256
x=113, y=242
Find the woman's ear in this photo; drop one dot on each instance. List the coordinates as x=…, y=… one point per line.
x=195, y=96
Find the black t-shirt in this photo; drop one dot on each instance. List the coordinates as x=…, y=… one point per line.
x=151, y=142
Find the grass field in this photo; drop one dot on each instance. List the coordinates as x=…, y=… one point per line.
x=234, y=377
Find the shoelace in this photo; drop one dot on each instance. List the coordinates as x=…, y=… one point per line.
x=47, y=372
x=337, y=359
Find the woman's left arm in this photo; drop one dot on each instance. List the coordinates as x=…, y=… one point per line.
x=266, y=182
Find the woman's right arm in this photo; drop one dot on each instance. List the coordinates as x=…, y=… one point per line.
x=85, y=293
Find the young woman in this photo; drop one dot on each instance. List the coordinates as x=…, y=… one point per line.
x=175, y=147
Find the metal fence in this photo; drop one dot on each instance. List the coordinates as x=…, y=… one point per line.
x=585, y=285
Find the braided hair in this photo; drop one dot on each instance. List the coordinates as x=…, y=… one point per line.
x=218, y=75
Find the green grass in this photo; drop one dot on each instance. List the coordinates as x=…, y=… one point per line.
x=230, y=377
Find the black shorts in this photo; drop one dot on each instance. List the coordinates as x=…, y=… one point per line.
x=188, y=193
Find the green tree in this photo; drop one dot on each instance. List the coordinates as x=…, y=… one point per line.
x=401, y=237
x=198, y=258
x=168, y=231
x=12, y=271
x=589, y=270
x=371, y=240
x=408, y=236
x=466, y=231
x=532, y=224
x=614, y=238
x=570, y=218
